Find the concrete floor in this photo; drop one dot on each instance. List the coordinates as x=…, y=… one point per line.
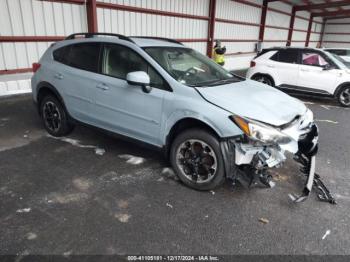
x=58, y=197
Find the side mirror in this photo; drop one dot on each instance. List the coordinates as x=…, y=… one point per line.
x=328, y=67
x=139, y=78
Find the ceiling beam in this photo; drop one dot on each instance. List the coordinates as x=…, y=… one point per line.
x=308, y=7
x=332, y=14
x=337, y=17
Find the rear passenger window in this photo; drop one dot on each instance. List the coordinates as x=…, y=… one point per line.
x=61, y=54
x=286, y=56
x=85, y=56
x=338, y=52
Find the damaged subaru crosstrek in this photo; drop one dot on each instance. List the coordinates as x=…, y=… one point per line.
x=211, y=123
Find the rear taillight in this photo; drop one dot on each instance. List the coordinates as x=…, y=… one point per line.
x=252, y=64
x=36, y=67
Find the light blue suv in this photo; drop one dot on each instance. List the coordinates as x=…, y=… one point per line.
x=210, y=123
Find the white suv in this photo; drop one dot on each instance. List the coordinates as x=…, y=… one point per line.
x=303, y=70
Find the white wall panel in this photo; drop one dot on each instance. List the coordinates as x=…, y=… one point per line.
x=235, y=31
x=299, y=36
x=193, y=7
x=275, y=34
x=281, y=6
x=32, y=17
x=337, y=28
x=227, y=9
x=35, y=18
x=130, y=23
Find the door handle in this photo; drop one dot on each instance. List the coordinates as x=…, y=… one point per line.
x=305, y=70
x=102, y=86
x=59, y=76
x=271, y=66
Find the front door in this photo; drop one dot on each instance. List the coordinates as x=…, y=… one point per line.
x=315, y=75
x=125, y=108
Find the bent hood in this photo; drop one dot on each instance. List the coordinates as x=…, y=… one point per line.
x=255, y=101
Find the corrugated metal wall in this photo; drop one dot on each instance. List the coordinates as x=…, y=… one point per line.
x=133, y=23
x=237, y=24
x=35, y=18
x=337, y=33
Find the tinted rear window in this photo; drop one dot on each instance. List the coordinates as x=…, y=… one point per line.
x=339, y=52
x=286, y=56
x=84, y=56
x=61, y=54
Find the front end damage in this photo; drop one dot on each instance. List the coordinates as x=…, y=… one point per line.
x=248, y=160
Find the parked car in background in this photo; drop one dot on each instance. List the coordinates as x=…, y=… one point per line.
x=210, y=123
x=342, y=52
x=302, y=70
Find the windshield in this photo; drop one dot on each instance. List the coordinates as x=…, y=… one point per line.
x=347, y=64
x=191, y=68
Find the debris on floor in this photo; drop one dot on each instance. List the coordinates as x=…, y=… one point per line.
x=24, y=210
x=325, y=107
x=124, y=218
x=82, y=184
x=169, y=173
x=212, y=192
x=100, y=151
x=31, y=236
x=326, y=120
x=326, y=234
x=169, y=205
x=264, y=220
x=134, y=160
x=77, y=143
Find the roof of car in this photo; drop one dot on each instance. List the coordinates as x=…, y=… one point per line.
x=142, y=41
x=290, y=47
x=147, y=42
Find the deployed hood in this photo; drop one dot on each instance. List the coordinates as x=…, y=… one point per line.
x=256, y=101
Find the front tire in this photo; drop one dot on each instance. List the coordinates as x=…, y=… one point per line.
x=263, y=79
x=344, y=96
x=55, y=117
x=196, y=157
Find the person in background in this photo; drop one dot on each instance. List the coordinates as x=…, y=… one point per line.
x=218, y=53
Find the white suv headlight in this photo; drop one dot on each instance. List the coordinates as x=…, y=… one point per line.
x=261, y=132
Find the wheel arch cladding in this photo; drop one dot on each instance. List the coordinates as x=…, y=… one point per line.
x=44, y=89
x=185, y=124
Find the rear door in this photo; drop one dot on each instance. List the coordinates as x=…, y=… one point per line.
x=313, y=75
x=125, y=108
x=75, y=76
x=286, y=66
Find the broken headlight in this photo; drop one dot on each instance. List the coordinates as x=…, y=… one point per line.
x=260, y=132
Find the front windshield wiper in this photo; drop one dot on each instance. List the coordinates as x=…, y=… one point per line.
x=224, y=81
x=216, y=82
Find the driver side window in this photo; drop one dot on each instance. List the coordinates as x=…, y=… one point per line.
x=118, y=61
x=313, y=59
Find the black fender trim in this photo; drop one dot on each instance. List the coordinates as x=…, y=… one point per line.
x=228, y=153
x=46, y=85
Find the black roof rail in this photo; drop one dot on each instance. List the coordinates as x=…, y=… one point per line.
x=159, y=38
x=90, y=35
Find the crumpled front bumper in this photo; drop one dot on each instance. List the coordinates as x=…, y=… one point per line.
x=240, y=152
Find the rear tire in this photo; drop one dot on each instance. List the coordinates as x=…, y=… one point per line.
x=55, y=117
x=197, y=159
x=263, y=79
x=344, y=96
